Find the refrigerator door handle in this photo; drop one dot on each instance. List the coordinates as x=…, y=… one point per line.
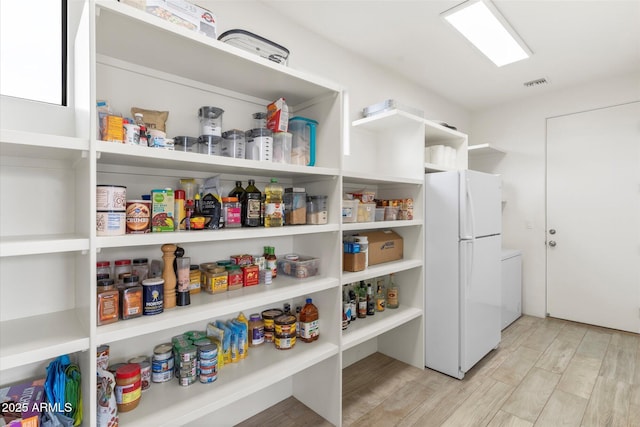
x=467, y=216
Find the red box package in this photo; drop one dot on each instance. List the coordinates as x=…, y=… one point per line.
x=241, y=259
x=251, y=275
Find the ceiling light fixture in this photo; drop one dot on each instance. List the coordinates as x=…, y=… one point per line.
x=483, y=25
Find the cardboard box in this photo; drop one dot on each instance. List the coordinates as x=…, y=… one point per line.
x=162, y=210
x=185, y=14
x=384, y=246
x=353, y=262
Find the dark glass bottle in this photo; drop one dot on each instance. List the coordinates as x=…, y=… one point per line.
x=240, y=193
x=252, y=205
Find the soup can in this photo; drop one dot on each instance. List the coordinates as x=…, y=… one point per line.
x=111, y=197
x=110, y=223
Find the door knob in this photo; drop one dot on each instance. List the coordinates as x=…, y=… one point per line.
x=552, y=243
x=552, y=231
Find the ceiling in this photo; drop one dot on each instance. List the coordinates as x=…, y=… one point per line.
x=573, y=42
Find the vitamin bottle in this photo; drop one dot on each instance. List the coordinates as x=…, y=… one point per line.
x=273, y=208
x=252, y=205
x=309, y=328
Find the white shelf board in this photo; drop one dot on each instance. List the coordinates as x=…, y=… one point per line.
x=353, y=226
x=112, y=153
x=212, y=62
x=436, y=132
x=38, y=338
x=205, y=306
x=42, y=244
x=365, y=178
x=211, y=235
x=432, y=167
x=484, y=149
x=169, y=404
x=380, y=270
x=44, y=146
x=364, y=329
x=382, y=122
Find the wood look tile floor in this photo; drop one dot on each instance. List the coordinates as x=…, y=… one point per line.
x=546, y=372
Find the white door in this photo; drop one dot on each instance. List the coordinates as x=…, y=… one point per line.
x=593, y=217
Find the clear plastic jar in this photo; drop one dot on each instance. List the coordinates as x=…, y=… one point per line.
x=233, y=144
x=140, y=268
x=256, y=330
x=103, y=267
x=232, y=212
x=128, y=387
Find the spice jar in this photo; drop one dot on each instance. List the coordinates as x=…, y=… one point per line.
x=103, y=267
x=235, y=278
x=130, y=298
x=107, y=302
x=140, y=267
x=194, y=279
x=128, y=387
x=122, y=267
x=256, y=330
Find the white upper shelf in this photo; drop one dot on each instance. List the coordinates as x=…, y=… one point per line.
x=121, y=30
x=483, y=149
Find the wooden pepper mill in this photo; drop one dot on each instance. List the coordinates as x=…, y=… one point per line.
x=168, y=255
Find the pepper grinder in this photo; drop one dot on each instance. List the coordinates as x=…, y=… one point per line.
x=169, y=276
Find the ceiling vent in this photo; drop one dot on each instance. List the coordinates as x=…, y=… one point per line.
x=536, y=82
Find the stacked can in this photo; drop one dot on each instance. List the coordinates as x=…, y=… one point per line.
x=162, y=363
x=208, y=362
x=186, y=364
x=111, y=210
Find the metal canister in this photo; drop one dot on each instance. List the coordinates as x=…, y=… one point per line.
x=162, y=363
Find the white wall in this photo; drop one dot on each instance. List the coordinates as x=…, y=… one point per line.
x=366, y=83
x=520, y=128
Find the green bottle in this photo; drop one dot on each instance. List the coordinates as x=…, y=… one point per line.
x=252, y=205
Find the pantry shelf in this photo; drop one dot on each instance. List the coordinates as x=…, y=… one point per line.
x=364, y=329
x=380, y=270
x=34, y=245
x=226, y=234
x=354, y=226
x=352, y=177
x=211, y=61
x=169, y=404
x=391, y=118
x=35, y=145
x=150, y=159
x=37, y=338
x=205, y=307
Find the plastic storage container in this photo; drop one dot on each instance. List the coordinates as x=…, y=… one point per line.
x=282, y=147
x=366, y=212
x=303, y=144
x=209, y=144
x=210, y=121
x=185, y=143
x=317, y=212
x=259, y=145
x=350, y=210
x=304, y=266
x=233, y=144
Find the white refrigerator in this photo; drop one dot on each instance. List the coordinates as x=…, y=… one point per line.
x=463, y=224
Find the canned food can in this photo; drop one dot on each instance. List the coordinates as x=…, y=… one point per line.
x=111, y=197
x=138, y=216
x=161, y=377
x=110, y=223
x=145, y=374
x=208, y=378
x=187, y=381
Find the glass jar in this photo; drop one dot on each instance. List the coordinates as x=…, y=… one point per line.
x=103, y=267
x=140, y=268
x=108, y=302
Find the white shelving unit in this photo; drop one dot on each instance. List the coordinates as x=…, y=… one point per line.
x=436, y=134
x=54, y=250
x=398, y=137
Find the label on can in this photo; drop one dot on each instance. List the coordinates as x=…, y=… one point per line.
x=138, y=216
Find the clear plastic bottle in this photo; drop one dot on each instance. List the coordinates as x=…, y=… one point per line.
x=309, y=328
x=252, y=205
x=274, y=206
x=139, y=119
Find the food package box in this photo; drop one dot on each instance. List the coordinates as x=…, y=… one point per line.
x=243, y=259
x=304, y=266
x=384, y=246
x=354, y=262
x=251, y=275
x=295, y=206
x=22, y=404
x=162, y=210
x=185, y=14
